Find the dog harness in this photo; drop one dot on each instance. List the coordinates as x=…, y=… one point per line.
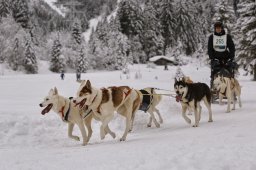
x=88, y=112
x=127, y=93
x=65, y=116
x=146, y=100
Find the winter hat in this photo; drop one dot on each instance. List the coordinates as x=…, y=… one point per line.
x=218, y=24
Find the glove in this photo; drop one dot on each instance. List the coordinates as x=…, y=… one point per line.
x=230, y=60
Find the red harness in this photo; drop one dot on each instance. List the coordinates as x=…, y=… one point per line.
x=62, y=112
x=127, y=93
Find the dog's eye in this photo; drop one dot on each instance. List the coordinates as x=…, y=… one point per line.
x=46, y=99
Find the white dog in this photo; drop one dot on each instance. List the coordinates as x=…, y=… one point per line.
x=149, y=99
x=66, y=109
x=102, y=103
x=227, y=87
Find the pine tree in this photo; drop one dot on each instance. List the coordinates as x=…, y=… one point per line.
x=209, y=6
x=4, y=8
x=84, y=23
x=57, y=64
x=76, y=33
x=187, y=25
x=136, y=51
x=30, y=62
x=168, y=23
x=102, y=30
x=247, y=24
x=152, y=39
x=82, y=62
x=130, y=17
x=235, y=3
x=20, y=12
x=14, y=58
x=179, y=74
x=225, y=13
x=116, y=51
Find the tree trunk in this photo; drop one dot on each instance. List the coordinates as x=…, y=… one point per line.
x=254, y=72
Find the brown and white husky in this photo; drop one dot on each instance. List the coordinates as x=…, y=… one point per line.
x=102, y=103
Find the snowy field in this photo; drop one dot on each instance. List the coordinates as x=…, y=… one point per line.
x=31, y=141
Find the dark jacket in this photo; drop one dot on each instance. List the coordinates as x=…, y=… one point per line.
x=223, y=56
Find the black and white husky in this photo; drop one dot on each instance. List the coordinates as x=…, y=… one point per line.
x=190, y=96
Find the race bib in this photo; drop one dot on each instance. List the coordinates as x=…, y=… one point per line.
x=220, y=43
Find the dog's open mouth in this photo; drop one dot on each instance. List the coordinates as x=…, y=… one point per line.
x=46, y=109
x=81, y=103
x=178, y=97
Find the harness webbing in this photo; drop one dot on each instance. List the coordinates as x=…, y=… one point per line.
x=65, y=116
x=67, y=113
x=87, y=114
x=146, y=100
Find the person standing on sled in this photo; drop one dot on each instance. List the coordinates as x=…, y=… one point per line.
x=221, y=51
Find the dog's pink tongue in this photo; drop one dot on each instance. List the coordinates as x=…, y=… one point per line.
x=178, y=98
x=44, y=111
x=47, y=109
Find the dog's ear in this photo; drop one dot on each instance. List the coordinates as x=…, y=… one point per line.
x=221, y=78
x=88, y=84
x=183, y=79
x=55, y=91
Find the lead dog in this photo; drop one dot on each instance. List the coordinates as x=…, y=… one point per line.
x=66, y=109
x=102, y=103
x=190, y=95
x=227, y=87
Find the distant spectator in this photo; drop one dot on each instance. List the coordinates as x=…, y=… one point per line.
x=78, y=76
x=62, y=75
x=165, y=67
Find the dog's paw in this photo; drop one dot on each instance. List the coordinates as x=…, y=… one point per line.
x=148, y=125
x=210, y=120
x=157, y=125
x=195, y=125
x=122, y=139
x=102, y=137
x=84, y=144
x=228, y=111
x=76, y=138
x=188, y=121
x=113, y=135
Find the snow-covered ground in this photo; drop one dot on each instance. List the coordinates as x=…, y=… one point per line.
x=29, y=140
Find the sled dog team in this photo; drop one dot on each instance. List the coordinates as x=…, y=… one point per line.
x=101, y=104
